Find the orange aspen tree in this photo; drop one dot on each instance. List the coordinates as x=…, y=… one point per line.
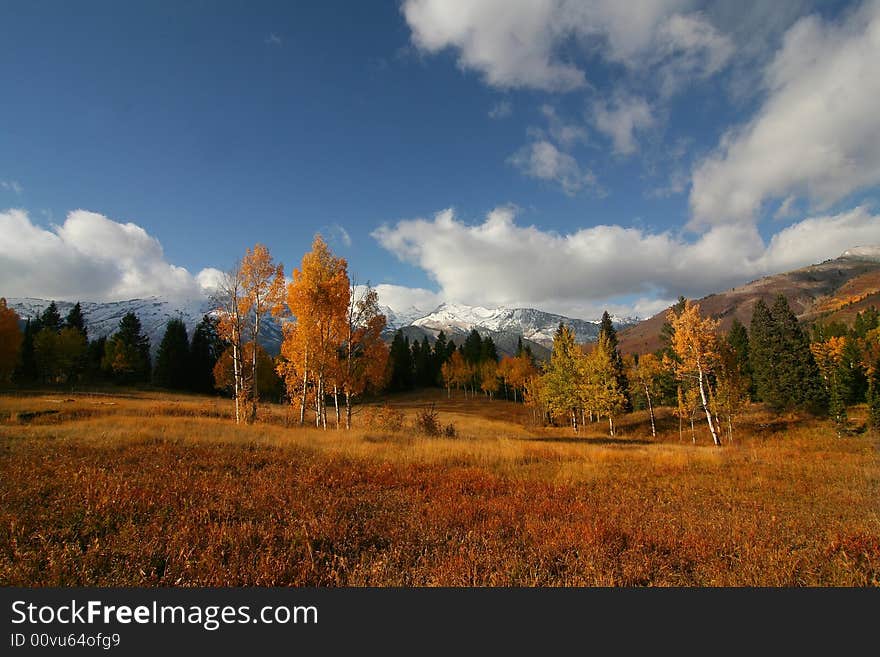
x=262, y=286
x=318, y=298
x=10, y=340
x=695, y=341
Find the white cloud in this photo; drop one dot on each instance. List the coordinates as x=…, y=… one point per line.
x=501, y=110
x=88, y=257
x=544, y=161
x=498, y=262
x=274, y=40
x=510, y=42
x=12, y=185
x=817, y=134
x=521, y=43
x=689, y=47
x=621, y=119
x=402, y=299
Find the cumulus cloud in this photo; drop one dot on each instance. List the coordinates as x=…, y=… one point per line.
x=89, y=257
x=521, y=43
x=403, y=299
x=816, y=135
x=499, y=262
x=621, y=119
x=542, y=160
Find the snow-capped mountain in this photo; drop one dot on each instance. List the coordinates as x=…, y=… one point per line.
x=102, y=318
x=505, y=325
x=532, y=324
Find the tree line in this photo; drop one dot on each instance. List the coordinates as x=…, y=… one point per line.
x=52, y=350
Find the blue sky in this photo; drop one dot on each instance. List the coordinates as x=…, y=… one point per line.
x=569, y=155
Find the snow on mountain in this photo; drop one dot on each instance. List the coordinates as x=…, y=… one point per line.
x=456, y=320
x=102, y=318
x=535, y=325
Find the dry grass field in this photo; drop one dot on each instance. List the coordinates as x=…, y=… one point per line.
x=151, y=489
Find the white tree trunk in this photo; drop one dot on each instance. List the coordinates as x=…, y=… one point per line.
x=706, y=407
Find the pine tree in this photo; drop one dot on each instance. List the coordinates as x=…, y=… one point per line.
x=607, y=329
x=172, y=358
x=51, y=318
x=488, y=351
x=763, y=343
x=76, y=320
x=438, y=357
x=853, y=380
x=422, y=363
x=738, y=340
x=798, y=376
x=400, y=362
x=473, y=347
x=127, y=352
x=204, y=350
x=26, y=369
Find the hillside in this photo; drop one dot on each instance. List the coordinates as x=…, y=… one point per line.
x=832, y=290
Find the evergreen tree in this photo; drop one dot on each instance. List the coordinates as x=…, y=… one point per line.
x=93, y=359
x=853, y=380
x=400, y=362
x=799, y=374
x=761, y=353
x=784, y=369
x=473, y=347
x=865, y=322
x=172, y=357
x=438, y=357
x=204, y=351
x=488, y=352
x=738, y=340
x=127, y=352
x=76, y=320
x=607, y=329
x=51, y=318
x=422, y=363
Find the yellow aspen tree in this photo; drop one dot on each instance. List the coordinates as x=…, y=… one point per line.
x=644, y=374
x=695, y=342
x=488, y=376
x=262, y=286
x=600, y=387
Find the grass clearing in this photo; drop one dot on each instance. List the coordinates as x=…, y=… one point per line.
x=152, y=489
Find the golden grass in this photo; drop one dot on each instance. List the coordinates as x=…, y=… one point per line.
x=155, y=489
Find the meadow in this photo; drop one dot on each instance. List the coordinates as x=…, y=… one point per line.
x=155, y=489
